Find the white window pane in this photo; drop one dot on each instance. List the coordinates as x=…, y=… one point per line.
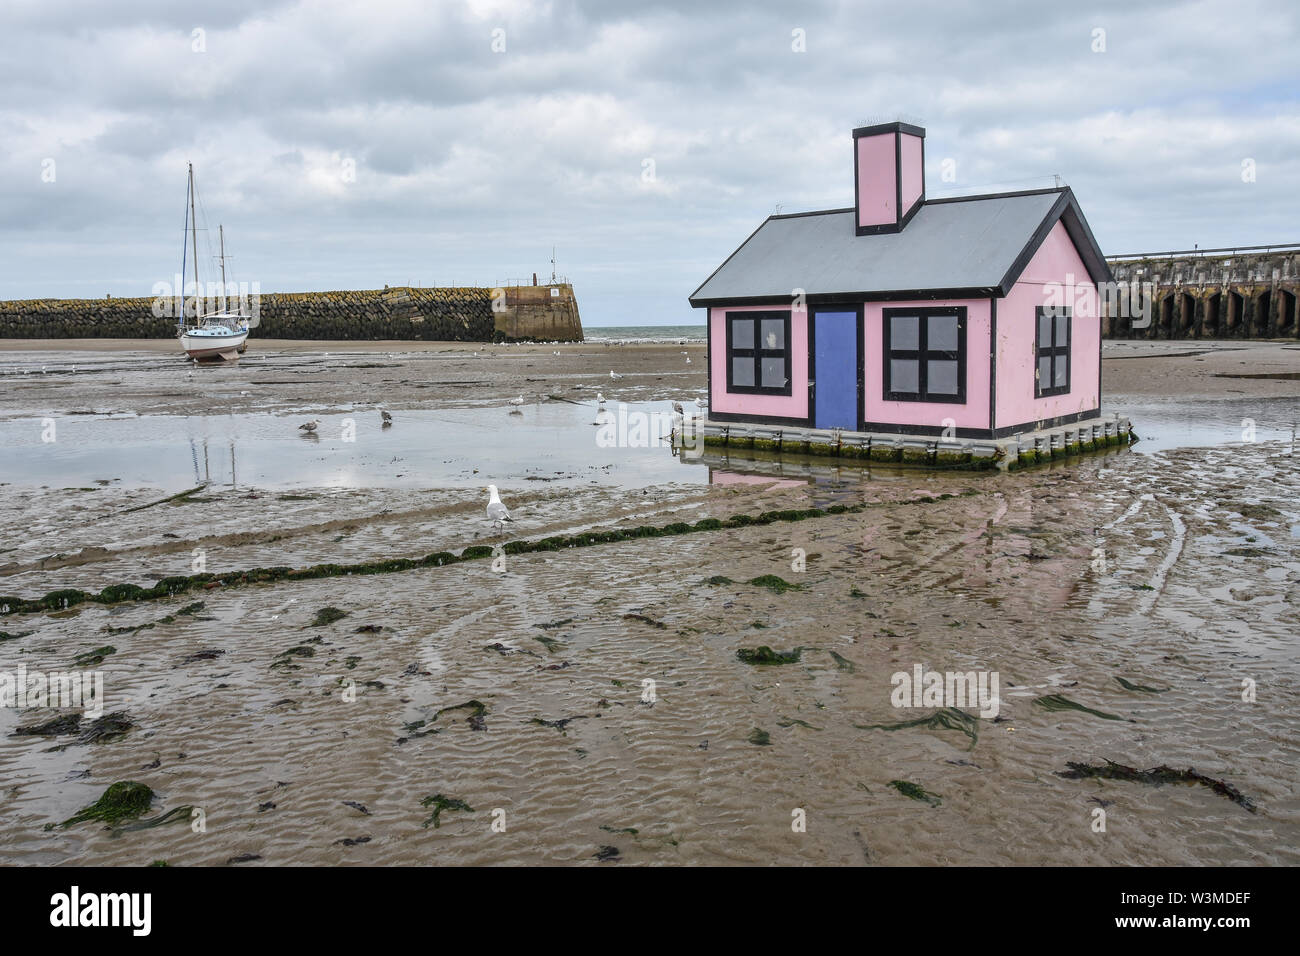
x=904, y=375
x=1062, y=330
x=1045, y=331
x=942, y=333
x=904, y=332
x=742, y=371
x=1061, y=367
x=773, y=372
x=742, y=333
x=941, y=378
x=773, y=333
x=1045, y=371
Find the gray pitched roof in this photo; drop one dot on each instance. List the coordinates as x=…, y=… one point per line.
x=976, y=245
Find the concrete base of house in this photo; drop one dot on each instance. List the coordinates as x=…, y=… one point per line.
x=925, y=451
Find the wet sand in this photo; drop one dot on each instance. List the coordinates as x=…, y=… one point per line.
x=1175, y=570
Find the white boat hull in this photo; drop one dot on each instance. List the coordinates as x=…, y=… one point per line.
x=206, y=347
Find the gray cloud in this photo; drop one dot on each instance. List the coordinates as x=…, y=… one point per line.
x=470, y=164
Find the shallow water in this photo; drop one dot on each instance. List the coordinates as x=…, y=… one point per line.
x=1162, y=425
x=551, y=441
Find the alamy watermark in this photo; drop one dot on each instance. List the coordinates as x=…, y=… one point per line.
x=1131, y=300
x=203, y=298
x=922, y=688
x=83, y=690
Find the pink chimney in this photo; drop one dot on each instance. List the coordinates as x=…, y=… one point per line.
x=889, y=174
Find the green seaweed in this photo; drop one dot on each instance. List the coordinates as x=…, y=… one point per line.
x=792, y=721
x=843, y=663
x=916, y=792
x=1140, y=687
x=477, y=711
x=718, y=580
x=327, y=615
x=107, y=728
x=1059, y=702
x=441, y=803
x=550, y=643
x=759, y=738
x=764, y=656
x=66, y=598
x=1156, y=776
x=54, y=727
x=774, y=583
x=94, y=657
x=174, y=815
x=660, y=625
x=949, y=718
x=124, y=800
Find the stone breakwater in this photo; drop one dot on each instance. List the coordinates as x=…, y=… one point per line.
x=544, y=313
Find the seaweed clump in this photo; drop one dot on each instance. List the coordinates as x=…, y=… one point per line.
x=124, y=800
x=1156, y=776
x=1058, y=702
x=949, y=718
x=916, y=792
x=764, y=656
x=441, y=803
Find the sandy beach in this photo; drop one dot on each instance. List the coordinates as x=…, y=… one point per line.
x=497, y=711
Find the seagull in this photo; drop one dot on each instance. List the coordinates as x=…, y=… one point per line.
x=688, y=360
x=495, y=509
x=600, y=399
x=308, y=427
x=388, y=419
x=614, y=375
x=677, y=409
x=517, y=401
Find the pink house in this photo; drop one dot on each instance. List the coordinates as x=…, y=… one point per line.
x=974, y=317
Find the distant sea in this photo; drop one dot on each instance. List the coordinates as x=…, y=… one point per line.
x=644, y=333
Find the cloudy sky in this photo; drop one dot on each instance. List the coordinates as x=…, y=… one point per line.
x=352, y=145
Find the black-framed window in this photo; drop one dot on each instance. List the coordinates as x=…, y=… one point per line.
x=1051, y=351
x=758, y=353
x=925, y=354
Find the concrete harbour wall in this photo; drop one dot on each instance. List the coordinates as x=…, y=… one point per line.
x=444, y=314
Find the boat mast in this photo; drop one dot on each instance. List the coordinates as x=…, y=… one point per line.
x=221, y=232
x=194, y=233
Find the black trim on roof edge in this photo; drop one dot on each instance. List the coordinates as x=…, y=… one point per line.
x=895, y=127
x=849, y=298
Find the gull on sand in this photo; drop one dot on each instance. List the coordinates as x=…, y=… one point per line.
x=495, y=509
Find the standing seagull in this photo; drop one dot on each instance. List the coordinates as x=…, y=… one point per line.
x=614, y=375
x=600, y=399
x=308, y=427
x=495, y=509
x=517, y=401
x=388, y=419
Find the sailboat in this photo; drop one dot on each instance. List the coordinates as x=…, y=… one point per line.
x=215, y=336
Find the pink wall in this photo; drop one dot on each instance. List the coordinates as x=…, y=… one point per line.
x=913, y=170
x=794, y=405
x=973, y=414
x=877, y=188
x=1054, y=263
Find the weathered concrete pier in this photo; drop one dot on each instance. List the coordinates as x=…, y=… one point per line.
x=546, y=313
x=1248, y=292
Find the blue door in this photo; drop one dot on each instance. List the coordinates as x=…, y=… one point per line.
x=835, y=370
